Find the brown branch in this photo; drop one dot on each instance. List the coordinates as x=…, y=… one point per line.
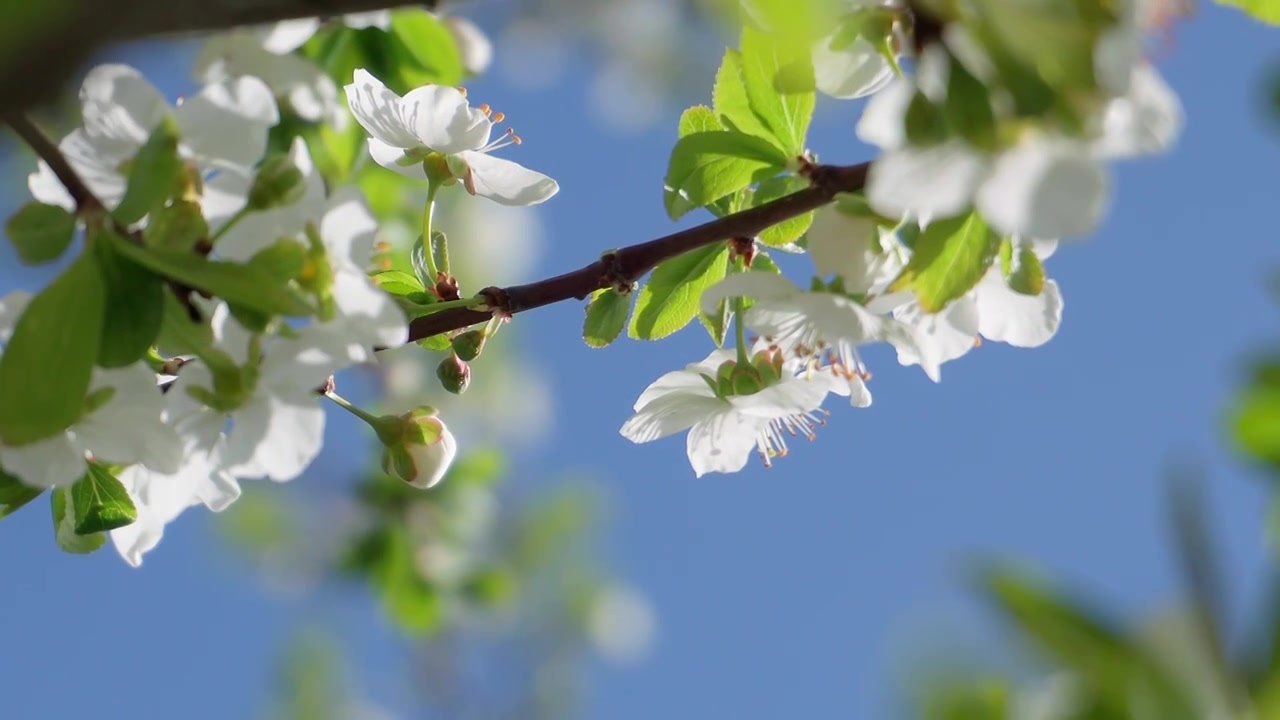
x=622, y=267
x=43, y=51
x=53, y=157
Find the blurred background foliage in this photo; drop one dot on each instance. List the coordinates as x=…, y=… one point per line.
x=500, y=595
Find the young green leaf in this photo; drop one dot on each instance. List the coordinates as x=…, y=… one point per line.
x=40, y=233
x=968, y=108
x=177, y=226
x=64, y=526
x=729, y=98
x=1029, y=277
x=780, y=87
x=1267, y=11
x=100, y=502
x=13, y=494
x=706, y=166
x=717, y=324
x=181, y=332
x=234, y=282
x=46, y=367
x=1114, y=665
x=426, y=49
x=670, y=299
x=400, y=284
x=949, y=258
x=606, y=316
x=698, y=118
x=282, y=261
x=133, y=310
x=153, y=174
x=789, y=230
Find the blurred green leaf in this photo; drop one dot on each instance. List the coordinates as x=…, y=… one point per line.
x=133, y=311
x=13, y=494
x=780, y=87
x=1267, y=11
x=101, y=503
x=40, y=233
x=64, y=530
x=949, y=258
x=153, y=173
x=426, y=49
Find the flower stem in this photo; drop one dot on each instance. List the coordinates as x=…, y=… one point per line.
x=346, y=405
x=241, y=214
x=428, y=247
x=739, y=310
x=451, y=304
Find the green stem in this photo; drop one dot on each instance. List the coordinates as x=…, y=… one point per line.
x=739, y=310
x=345, y=404
x=451, y=304
x=428, y=248
x=240, y=215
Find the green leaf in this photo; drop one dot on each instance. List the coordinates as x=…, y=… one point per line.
x=436, y=343
x=177, y=226
x=180, y=332
x=729, y=97
x=41, y=233
x=717, y=325
x=153, y=173
x=986, y=699
x=606, y=316
x=1268, y=11
x=924, y=122
x=706, y=166
x=411, y=601
x=968, y=108
x=949, y=258
x=101, y=503
x=699, y=118
x=1114, y=665
x=282, y=261
x=790, y=230
x=670, y=299
x=13, y=494
x=400, y=284
x=780, y=87
x=1029, y=276
x=46, y=367
x=234, y=282
x=428, y=46
x=133, y=311
x=64, y=530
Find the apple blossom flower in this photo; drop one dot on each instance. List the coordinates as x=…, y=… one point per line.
x=438, y=119
x=852, y=67
x=298, y=82
x=724, y=429
x=223, y=128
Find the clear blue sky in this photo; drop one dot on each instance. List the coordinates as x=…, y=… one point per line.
x=800, y=590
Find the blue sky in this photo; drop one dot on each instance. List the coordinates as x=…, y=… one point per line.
x=807, y=588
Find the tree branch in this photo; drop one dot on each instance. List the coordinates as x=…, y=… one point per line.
x=53, y=157
x=43, y=50
x=630, y=263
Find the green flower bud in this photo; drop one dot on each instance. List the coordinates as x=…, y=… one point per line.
x=454, y=374
x=279, y=182
x=468, y=345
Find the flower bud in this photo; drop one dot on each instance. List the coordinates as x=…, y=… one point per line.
x=279, y=182
x=424, y=451
x=468, y=345
x=454, y=374
x=724, y=378
x=747, y=380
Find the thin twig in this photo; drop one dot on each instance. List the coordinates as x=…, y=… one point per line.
x=44, y=147
x=622, y=267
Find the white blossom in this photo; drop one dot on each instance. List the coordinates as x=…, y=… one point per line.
x=437, y=118
x=223, y=129
x=723, y=431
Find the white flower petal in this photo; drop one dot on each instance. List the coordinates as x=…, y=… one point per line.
x=442, y=119
x=686, y=381
x=933, y=182
x=388, y=156
x=853, y=72
x=288, y=35
x=881, y=121
x=789, y=396
x=49, y=462
x=1044, y=187
x=96, y=161
x=431, y=462
x=851, y=247
x=374, y=318
x=506, y=182
x=348, y=228
x=119, y=105
x=275, y=435
x=1144, y=121
x=47, y=188
x=1008, y=316
x=670, y=414
x=259, y=230
x=380, y=19
x=723, y=442
x=473, y=44
x=377, y=109
x=128, y=428
x=225, y=126
x=940, y=337
x=756, y=285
